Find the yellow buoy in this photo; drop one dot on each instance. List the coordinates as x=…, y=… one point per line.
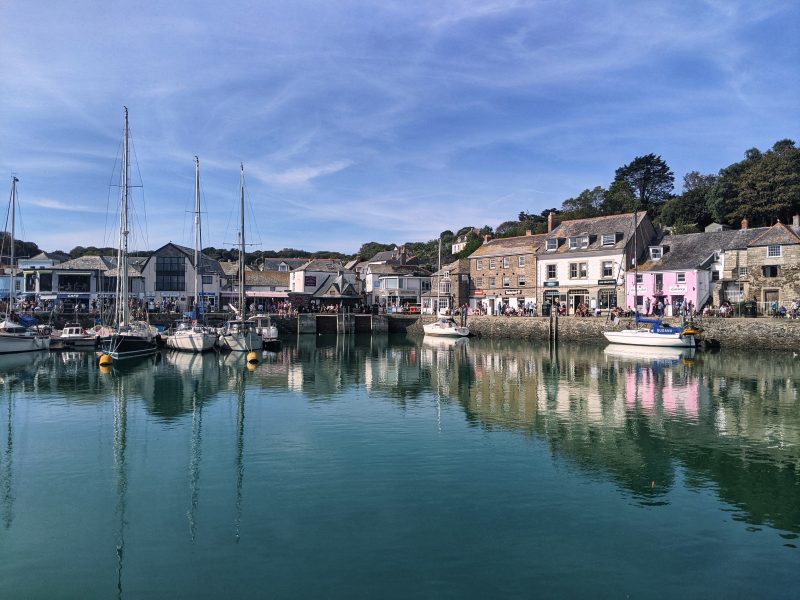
x=105, y=369
x=251, y=367
x=105, y=360
x=252, y=357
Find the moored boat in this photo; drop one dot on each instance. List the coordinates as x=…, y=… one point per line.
x=658, y=334
x=267, y=331
x=191, y=337
x=15, y=334
x=445, y=327
x=126, y=338
x=73, y=335
x=239, y=334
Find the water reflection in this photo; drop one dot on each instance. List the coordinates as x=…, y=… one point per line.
x=644, y=419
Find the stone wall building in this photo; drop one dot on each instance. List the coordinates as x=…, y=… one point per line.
x=503, y=273
x=765, y=268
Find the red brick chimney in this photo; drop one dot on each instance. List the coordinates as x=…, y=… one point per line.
x=744, y=223
x=551, y=221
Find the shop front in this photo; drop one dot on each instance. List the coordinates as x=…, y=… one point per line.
x=577, y=298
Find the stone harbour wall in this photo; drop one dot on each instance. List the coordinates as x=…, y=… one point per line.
x=761, y=333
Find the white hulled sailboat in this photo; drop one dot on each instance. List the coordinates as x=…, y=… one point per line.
x=14, y=335
x=189, y=335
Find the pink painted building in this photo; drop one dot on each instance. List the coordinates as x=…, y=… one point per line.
x=678, y=269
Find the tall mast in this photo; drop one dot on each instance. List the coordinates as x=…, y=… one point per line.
x=241, y=246
x=635, y=264
x=12, y=291
x=122, y=263
x=439, y=278
x=196, y=236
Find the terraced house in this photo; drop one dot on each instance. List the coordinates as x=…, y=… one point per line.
x=764, y=267
x=503, y=273
x=583, y=261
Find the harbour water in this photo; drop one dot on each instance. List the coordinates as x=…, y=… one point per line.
x=359, y=467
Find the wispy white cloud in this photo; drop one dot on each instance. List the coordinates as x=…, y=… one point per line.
x=53, y=204
x=300, y=175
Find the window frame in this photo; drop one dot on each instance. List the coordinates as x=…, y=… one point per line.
x=554, y=269
x=774, y=251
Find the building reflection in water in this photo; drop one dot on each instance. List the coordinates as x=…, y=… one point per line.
x=642, y=419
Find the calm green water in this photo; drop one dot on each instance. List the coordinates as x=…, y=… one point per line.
x=367, y=468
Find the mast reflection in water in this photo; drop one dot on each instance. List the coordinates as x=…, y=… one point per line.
x=400, y=467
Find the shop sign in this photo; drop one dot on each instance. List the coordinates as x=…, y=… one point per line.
x=478, y=293
x=512, y=292
x=550, y=284
x=606, y=282
x=551, y=294
x=677, y=289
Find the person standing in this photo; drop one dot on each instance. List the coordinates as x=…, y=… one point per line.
x=647, y=306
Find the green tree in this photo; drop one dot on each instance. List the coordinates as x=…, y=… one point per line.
x=619, y=199
x=723, y=198
x=649, y=179
x=770, y=187
x=586, y=204
x=692, y=205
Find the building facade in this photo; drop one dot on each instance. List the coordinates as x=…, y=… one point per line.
x=503, y=274
x=583, y=262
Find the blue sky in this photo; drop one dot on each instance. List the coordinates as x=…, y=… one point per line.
x=380, y=121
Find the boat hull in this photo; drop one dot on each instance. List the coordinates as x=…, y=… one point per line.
x=643, y=337
x=192, y=341
x=122, y=346
x=13, y=343
x=437, y=329
x=240, y=342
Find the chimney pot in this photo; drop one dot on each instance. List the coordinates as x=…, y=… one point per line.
x=485, y=238
x=551, y=221
x=744, y=223
x=529, y=232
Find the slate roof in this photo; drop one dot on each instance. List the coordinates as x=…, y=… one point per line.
x=273, y=264
x=777, y=234
x=336, y=287
x=230, y=268
x=595, y=228
x=322, y=266
x=86, y=263
x=691, y=250
x=517, y=244
x=267, y=278
x=401, y=270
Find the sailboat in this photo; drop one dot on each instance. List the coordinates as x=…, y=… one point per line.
x=658, y=333
x=240, y=335
x=15, y=335
x=444, y=326
x=188, y=335
x=127, y=338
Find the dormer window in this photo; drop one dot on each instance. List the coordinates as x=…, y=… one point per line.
x=656, y=252
x=608, y=239
x=580, y=241
x=552, y=245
